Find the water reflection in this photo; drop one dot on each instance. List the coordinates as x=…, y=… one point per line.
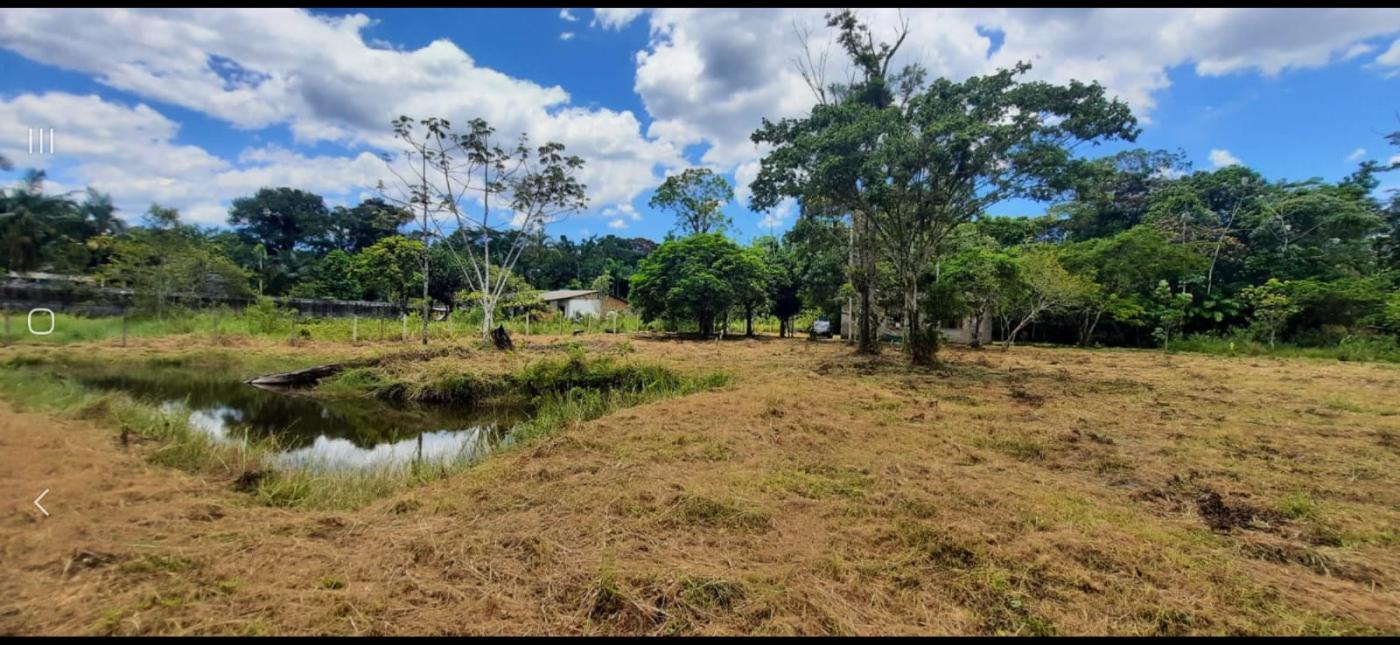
x=316, y=433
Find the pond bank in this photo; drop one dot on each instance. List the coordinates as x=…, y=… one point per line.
x=390, y=422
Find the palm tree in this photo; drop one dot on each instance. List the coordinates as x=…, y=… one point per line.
x=29, y=221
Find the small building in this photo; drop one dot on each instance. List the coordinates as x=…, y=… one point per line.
x=576, y=303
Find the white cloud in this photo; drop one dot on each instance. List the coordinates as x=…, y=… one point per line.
x=567, y=15
x=1359, y=49
x=1390, y=58
x=779, y=215
x=615, y=18
x=617, y=223
x=1356, y=154
x=566, y=35
x=1221, y=158
x=317, y=75
x=710, y=76
x=130, y=152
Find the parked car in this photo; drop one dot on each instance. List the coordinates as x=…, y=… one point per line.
x=821, y=329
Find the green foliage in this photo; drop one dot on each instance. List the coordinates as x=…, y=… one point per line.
x=1169, y=310
x=696, y=278
x=391, y=268
x=695, y=197
x=170, y=265
x=264, y=316
x=1272, y=306
x=334, y=277
x=915, y=161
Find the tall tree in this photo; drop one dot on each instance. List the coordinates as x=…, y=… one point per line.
x=696, y=197
x=290, y=224
x=353, y=229
x=918, y=170
x=441, y=172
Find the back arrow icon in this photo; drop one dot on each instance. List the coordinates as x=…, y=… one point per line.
x=36, y=502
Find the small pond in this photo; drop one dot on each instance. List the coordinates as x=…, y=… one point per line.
x=314, y=432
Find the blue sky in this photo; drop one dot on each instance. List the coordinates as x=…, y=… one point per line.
x=195, y=108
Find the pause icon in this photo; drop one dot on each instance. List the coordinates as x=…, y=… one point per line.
x=40, y=132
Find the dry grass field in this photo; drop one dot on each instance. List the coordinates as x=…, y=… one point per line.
x=1033, y=491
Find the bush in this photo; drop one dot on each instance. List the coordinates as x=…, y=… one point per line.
x=266, y=317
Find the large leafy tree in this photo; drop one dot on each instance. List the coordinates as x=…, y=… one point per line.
x=166, y=260
x=281, y=219
x=1114, y=193
x=289, y=225
x=918, y=170
x=696, y=278
x=1312, y=230
x=695, y=196
x=390, y=268
x=353, y=229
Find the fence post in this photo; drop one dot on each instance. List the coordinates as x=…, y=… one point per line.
x=355, y=329
x=405, y=328
x=527, y=323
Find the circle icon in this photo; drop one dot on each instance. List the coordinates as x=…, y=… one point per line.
x=53, y=322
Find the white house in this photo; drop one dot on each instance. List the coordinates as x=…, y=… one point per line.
x=574, y=303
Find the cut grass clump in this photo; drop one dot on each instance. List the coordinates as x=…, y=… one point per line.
x=156, y=563
x=698, y=510
x=818, y=481
x=1019, y=448
x=932, y=546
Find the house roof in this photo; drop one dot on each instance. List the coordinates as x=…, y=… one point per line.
x=565, y=294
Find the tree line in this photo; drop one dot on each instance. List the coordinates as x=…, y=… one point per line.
x=892, y=174
x=279, y=242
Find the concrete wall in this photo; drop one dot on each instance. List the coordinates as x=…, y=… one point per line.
x=962, y=333
x=583, y=306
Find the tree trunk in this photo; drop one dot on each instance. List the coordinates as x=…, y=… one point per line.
x=748, y=321
x=425, y=268
x=1011, y=337
x=864, y=282
x=922, y=344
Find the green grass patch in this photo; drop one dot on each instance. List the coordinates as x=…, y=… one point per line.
x=1298, y=506
x=817, y=481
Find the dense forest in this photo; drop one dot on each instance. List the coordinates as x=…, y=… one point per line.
x=893, y=176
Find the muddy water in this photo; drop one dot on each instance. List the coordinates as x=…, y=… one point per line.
x=312, y=432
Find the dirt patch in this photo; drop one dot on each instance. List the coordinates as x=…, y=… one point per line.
x=1223, y=517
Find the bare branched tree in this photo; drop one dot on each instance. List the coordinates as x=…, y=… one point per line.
x=461, y=177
